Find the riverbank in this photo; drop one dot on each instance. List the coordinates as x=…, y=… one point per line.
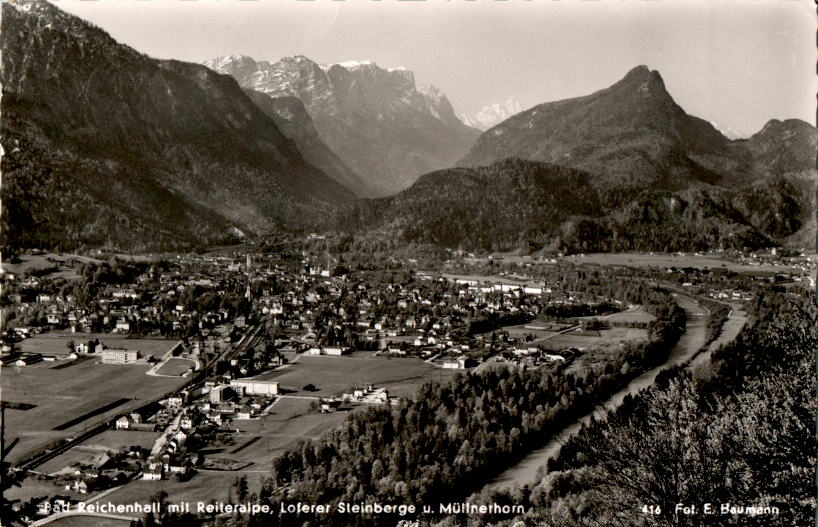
x=526, y=471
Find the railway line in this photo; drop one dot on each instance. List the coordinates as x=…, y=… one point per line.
x=251, y=338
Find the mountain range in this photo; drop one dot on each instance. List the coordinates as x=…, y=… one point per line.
x=659, y=179
x=109, y=146
x=292, y=119
x=105, y=146
x=377, y=120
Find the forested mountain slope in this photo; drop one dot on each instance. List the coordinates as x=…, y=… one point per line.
x=108, y=145
x=654, y=178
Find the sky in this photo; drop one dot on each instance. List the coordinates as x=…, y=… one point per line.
x=738, y=63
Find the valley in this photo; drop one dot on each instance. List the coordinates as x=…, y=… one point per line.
x=529, y=469
x=333, y=365
x=239, y=268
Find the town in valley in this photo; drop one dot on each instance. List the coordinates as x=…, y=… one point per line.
x=181, y=369
x=392, y=264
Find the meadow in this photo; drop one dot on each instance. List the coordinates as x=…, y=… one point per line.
x=176, y=367
x=56, y=344
x=62, y=395
x=335, y=375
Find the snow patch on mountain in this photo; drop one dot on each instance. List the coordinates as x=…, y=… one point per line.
x=352, y=64
x=728, y=132
x=493, y=114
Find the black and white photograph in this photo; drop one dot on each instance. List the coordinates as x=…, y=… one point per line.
x=408, y=263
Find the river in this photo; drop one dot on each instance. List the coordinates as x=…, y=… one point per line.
x=690, y=343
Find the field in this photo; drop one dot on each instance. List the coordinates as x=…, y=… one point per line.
x=290, y=420
x=86, y=453
x=55, y=265
x=59, y=265
x=335, y=375
x=671, y=260
x=32, y=487
x=258, y=442
x=116, y=439
x=57, y=343
x=627, y=316
x=63, y=395
x=599, y=347
x=601, y=340
x=175, y=366
x=533, y=328
x=635, y=314
x=78, y=455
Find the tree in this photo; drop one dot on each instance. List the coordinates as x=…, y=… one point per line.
x=241, y=488
x=8, y=479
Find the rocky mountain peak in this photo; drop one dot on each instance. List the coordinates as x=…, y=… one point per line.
x=640, y=72
x=431, y=92
x=636, y=111
x=234, y=65
x=377, y=119
x=643, y=83
x=786, y=128
x=164, y=143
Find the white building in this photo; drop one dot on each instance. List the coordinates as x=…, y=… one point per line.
x=460, y=363
x=119, y=356
x=84, y=347
x=253, y=387
x=525, y=351
x=153, y=472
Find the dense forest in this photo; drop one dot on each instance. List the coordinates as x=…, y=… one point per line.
x=516, y=204
x=57, y=201
x=441, y=445
x=744, y=435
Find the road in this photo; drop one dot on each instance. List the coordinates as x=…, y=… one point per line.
x=525, y=472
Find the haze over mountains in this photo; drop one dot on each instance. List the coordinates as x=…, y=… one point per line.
x=377, y=120
x=106, y=146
